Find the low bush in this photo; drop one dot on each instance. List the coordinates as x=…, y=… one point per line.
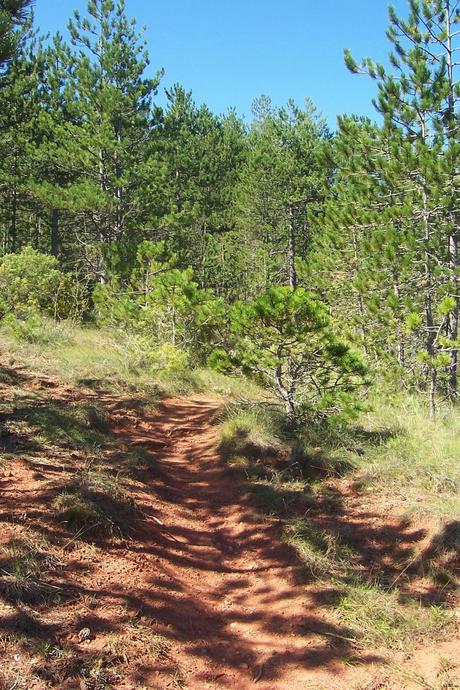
x=32, y=283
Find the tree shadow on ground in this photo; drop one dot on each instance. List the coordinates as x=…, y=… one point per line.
x=379, y=549
x=251, y=569
x=216, y=550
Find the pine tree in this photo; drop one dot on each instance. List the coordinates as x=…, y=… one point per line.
x=19, y=127
x=419, y=97
x=284, y=339
x=200, y=155
x=282, y=186
x=12, y=14
x=365, y=256
x=102, y=144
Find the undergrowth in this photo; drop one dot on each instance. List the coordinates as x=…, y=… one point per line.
x=376, y=616
x=75, y=426
x=95, y=503
x=24, y=568
x=106, y=360
x=418, y=459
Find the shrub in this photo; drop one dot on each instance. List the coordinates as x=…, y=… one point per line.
x=31, y=283
x=284, y=339
x=29, y=327
x=168, y=359
x=161, y=304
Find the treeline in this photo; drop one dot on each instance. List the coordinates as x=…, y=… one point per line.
x=279, y=248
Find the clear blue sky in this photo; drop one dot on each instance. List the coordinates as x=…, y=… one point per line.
x=230, y=51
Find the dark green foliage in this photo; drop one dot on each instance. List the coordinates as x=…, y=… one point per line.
x=400, y=196
x=281, y=189
x=163, y=306
x=12, y=13
x=201, y=155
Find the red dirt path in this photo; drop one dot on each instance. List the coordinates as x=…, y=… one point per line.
x=219, y=581
x=216, y=584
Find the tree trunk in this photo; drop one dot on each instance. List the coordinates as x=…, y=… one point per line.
x=118, y=172
x=452, y=125
x=429, y=320
x=432, y=396
x=286, y=396
x=400, y=354
x=362, y=313
x=292, y=250
x=453, y=317
x=14, y=221
x=54, y=231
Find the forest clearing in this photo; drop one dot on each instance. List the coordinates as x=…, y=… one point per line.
x=229, y=419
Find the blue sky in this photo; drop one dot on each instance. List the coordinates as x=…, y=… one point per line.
x=230, y=51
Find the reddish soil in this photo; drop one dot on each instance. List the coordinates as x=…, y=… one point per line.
x=218, y=580
x=202, y=594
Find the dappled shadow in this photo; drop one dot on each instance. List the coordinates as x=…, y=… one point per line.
x=378, y=548
x=12, y=376
x=198, y=567
x=441, y=560
x=98, y=385
x=251, y=604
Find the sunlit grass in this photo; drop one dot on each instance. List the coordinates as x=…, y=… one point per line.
x=420, y=458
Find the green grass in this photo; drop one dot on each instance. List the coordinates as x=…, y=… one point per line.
x=419, y=457
x=107, y=360
x=253, y=432
x=140, y=465
x=24, y=569
x=375, y=616
x=320, y=551
x=369, y=612
x=79, y=426
x=85, y=356
x=255, y=443
x=95, y=504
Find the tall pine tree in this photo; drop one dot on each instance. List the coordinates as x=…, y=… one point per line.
x=418, y=96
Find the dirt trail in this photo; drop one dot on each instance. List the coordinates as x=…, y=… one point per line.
x=218, y=582
x=195, y=591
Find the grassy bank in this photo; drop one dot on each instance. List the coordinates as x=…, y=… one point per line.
x=115, y=362
x=371, y=508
